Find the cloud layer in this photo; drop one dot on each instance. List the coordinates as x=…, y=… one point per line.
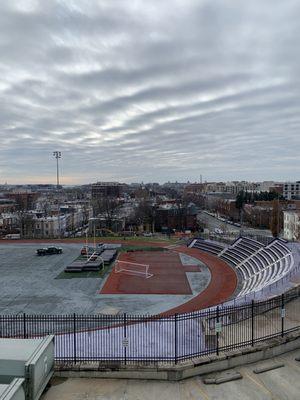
x=149, y=91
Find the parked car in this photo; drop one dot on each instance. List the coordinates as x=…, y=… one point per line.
x=49, y=251
x=219, y=231
x=13, y=236
x=87, y=250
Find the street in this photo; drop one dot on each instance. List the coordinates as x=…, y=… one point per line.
x=212, y=223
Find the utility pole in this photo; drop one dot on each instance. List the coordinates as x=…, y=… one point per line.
x=57, y=155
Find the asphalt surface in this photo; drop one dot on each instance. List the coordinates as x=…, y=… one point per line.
x=28, y=285
x=213, y=223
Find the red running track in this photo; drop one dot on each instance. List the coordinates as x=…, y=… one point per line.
x=169, y=276
x=221, y=287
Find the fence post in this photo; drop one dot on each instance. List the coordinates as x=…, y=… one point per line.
x=124, y=337
x=74, y=337
x=282, y=314
x=217, y=333
x=24, y=326
x=175, y=339
x=252, y=323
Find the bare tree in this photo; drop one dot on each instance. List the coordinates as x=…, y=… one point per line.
x=276, y=219
x=145, y=214
x=26, y=224
x=106, y=207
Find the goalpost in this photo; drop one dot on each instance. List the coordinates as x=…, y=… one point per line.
x=131, y=268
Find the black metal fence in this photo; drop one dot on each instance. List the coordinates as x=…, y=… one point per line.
x=131, y=338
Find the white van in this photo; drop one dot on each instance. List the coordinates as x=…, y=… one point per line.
x=12, y=236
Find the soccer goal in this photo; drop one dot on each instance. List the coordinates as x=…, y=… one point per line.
x=131, y=268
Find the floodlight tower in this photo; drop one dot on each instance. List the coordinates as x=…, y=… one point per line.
x=57, y=155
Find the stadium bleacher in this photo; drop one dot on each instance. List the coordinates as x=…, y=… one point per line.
x=259, y=265
x=206, y=245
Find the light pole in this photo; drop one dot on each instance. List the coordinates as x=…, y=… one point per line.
x=57, y=155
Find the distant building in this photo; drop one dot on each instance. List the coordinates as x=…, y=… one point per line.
x=227, y=208
x=259, y=215
x=24, y=200
x=194, y=188
x=232, y=188
x=103, y=226
x=76, y=215
x=291, y=190
x=8, y=221
x=265, y=186
x=291, y=225
x=278, y=188
x=178, y=186
x=49, y=227
x=175, y=216
x=7, y=205
x=106, y=189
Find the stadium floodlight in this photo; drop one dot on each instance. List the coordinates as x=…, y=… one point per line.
x=57, y=155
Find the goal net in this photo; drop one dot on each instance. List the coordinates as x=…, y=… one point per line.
x=131, y=268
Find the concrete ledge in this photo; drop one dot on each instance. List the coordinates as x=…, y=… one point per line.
x=265, y=368
x=200, y=366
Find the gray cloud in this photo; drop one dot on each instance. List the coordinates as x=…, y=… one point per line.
x=149, y=91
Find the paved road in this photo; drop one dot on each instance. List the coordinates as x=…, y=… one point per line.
x=213, y=223
x=277, y=384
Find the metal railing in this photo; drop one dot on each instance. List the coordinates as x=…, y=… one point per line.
x=150, y=339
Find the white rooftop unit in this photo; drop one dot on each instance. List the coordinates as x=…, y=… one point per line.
x=13, y=391
x=31, y=359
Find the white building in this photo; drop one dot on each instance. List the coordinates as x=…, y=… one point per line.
x=50, y=227
x=8, y=221
x=291, y=225
x=266, y=185
x=291, y=190
x=77, y=215
x=231, y=187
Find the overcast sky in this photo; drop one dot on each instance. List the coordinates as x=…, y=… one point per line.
x=149, y=90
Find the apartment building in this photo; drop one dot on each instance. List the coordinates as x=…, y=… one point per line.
x=106, y=189
x=291, y=190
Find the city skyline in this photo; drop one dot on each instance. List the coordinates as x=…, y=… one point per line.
x=135, y=91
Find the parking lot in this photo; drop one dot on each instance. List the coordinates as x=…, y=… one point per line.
x=28, y=284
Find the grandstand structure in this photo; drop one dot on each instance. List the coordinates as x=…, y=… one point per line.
x=258, y=266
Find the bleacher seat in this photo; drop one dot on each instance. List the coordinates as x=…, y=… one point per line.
x=206, y=245
x=257, y=264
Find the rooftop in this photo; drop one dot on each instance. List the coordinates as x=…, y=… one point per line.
x=277, y=383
